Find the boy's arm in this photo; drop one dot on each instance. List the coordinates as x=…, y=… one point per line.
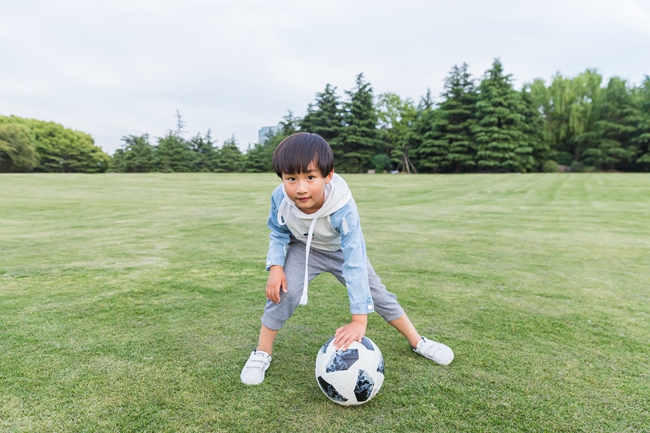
x=355, y=269
x=279, y=236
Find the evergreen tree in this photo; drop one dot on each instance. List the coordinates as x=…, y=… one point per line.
x=136, y=155
x=258, y=158
x=453, y=146
x=358, y=141
x=642, y=139
x=537, y=149
x=422, y=137
x=117, y=161
x=499, y=140
x=289, y=124
x=324, y=117
x=173, y=154
x=229, y=157
x=204, y=153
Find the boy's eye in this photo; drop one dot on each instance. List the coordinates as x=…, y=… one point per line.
x=311, y=177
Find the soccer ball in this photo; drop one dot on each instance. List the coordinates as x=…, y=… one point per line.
x=352, y=377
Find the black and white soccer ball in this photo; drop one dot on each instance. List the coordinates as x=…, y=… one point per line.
x=352, y=377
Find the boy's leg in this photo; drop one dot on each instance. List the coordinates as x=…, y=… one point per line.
x=387, y=306
x=267, y=337
x=275, y=315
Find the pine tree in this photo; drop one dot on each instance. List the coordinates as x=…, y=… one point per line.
x=642, y=139
x=173, y=154
x=499, y=141
x=229, y=157
x=452, y=146
x=358, y=141
x=324, y=117
x=258, y=158
x=136, y=156
x=422, y=136
x=536, y=150
x=203, y=151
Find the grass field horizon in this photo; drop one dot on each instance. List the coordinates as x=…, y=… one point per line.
x=129, y=303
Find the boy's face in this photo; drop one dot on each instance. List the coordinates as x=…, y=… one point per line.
x=307, y=190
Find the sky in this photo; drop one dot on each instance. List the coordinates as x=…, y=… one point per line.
x=124, y=67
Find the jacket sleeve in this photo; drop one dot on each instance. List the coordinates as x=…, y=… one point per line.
x=279, y=237
x=355, y=267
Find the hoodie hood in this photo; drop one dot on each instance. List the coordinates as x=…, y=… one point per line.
x=337, y=195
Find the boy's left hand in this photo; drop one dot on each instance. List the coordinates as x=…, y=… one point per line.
x=353, y=331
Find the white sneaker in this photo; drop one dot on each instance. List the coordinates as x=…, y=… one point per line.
x=257, y=364
x=436, y=352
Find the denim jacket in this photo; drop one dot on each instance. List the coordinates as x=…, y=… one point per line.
x=345, y=222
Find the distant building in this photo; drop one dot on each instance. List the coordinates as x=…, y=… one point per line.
x=265, y=131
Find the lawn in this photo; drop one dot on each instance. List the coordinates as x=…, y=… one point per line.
x=129, y=303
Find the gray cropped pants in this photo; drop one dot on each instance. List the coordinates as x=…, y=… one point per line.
x=275, y=315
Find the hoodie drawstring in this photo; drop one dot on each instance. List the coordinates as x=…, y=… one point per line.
x=303, y=298
x=284, y=209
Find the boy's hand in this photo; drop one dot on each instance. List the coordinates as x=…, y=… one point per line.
x=277, y=280
x=353, y=331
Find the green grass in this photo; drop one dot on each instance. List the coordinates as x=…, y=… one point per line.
x=130, y=303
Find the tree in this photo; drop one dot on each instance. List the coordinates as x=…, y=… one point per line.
x=453, y=145
x=258, y=158
x=569, y=112
x=324, y=117
x=499, y=141
x=617, y=121
x=537, y=149
x=395, y=119
x=17, y=151
x=358, y=141
x=173, y=154
x=62, y=150
x=229, y=157
x=422, y=137
x=204, y=152
x=136, y=155
x=642, y=140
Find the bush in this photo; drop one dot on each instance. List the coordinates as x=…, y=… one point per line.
x=577, y=167
x=563, y=158
x=381, y=162
x=550, y=167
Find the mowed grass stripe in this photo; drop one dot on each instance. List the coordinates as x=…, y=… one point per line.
x=130, y=303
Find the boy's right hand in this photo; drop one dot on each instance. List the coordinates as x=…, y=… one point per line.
x=277, y=280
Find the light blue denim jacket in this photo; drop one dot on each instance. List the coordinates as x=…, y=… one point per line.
x=345, y=221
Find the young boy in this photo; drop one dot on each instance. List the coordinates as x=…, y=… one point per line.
x=314, y=229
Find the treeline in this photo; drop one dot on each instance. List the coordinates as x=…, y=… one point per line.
x=34, y=145
x=477, y=125
x=175, y=153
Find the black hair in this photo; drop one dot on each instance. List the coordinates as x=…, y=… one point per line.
x=297, y=151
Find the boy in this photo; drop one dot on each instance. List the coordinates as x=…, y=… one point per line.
x=314, y=229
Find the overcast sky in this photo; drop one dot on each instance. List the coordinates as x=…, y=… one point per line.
x=118, y=67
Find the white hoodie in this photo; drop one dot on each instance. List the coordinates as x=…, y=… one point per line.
x=316, y=229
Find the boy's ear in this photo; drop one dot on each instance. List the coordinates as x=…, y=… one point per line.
x=328, y=178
